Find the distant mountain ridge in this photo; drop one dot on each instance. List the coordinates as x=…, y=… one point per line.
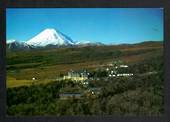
x=48, y=38
x=51, y=38
x=17, y=45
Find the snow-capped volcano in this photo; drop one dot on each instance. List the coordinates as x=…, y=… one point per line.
x=50, y=37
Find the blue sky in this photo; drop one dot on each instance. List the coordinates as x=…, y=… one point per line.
x=106, y=25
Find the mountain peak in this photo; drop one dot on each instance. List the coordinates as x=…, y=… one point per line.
x=50, y=36
x=50, y=30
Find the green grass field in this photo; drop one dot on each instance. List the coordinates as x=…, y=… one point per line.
x=12, y=82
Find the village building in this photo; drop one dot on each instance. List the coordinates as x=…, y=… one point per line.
x=123, y=66
x=125, y=74
x=33, y=78
x=65, y=96
x=76, y=76
x=118, y=70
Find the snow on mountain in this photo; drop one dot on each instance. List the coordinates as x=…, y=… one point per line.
x=16, y=45
x=50, y=37
x=89, y=43
x=82, y=42
x=10, y=41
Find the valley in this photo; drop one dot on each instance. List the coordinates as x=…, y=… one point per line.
x=51, y=63
x=39, y=80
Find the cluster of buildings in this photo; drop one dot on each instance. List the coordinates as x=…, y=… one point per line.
x=113, y=70
x=117, y=69
x=77, y=76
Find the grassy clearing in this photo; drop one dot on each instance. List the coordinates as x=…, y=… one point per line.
x=12, y=82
